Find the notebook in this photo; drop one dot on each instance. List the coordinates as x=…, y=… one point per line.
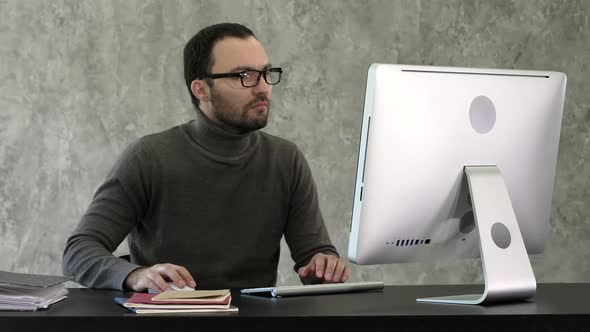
x=171, y=302
x=319, y=289
x=160, y=309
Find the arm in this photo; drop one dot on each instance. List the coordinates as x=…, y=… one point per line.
x=306, y=233
x=117, y=207
x=88, y=252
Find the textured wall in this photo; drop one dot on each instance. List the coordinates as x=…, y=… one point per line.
x=80, y=79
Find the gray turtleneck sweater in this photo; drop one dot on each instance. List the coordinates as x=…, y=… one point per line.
x=197, y=196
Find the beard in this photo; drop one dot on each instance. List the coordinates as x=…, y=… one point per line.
x=240, y=119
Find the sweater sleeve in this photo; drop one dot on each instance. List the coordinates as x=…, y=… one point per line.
x=305, y=231
x=116, y=208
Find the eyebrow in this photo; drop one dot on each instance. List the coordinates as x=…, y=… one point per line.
x=241, y=68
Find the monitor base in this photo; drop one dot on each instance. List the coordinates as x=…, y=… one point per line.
x=507, y=270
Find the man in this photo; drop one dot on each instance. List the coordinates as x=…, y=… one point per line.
x=206, y=203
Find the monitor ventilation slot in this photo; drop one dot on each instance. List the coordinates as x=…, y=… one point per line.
x=408, y=242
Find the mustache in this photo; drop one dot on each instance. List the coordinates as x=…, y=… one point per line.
x=258, y=100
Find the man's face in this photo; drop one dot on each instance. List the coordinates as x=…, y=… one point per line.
x=242, y=109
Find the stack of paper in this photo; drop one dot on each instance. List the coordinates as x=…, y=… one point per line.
x=179, y=301
x=29, y=292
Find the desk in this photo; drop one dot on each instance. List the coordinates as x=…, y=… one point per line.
x=556, y=307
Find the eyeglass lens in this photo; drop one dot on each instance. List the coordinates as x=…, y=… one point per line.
x=251, y=77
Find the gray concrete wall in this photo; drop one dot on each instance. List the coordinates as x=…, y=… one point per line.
x=80, y=79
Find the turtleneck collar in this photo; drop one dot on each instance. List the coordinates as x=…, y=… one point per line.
x=219, y=140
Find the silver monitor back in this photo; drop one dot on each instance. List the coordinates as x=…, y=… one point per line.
x=421, y=126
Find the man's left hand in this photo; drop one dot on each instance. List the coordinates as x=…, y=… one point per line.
x=323, y=268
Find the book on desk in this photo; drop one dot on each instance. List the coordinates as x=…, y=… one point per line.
x=179, y=301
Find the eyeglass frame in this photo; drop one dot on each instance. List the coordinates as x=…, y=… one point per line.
x=261, y=73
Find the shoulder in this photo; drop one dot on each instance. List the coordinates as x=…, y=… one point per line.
x=280, y=145
x=144, y=148
x=162, y=139
x=159, y=143
x=286, y=153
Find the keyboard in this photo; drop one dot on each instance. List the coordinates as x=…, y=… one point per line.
x=319, y=289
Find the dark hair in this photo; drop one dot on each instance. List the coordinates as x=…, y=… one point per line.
x=197, y=52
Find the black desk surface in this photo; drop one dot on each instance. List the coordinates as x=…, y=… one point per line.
x=556, y=307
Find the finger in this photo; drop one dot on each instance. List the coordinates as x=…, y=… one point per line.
x=312, y=266
x=304, y=271
x=170, y=271
x=346, y=274
x=187, y=276
x=338, y=271
x=184, y=275
x=320, y=264
x=331, y=262
x=160, y=283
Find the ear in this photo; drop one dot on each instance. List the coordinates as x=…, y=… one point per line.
x=200, y=89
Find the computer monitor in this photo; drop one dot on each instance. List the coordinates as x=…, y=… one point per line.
x=458, y=162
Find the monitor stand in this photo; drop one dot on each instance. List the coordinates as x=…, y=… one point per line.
x=507, y=270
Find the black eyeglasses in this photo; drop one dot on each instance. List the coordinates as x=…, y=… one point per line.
x=250, y=78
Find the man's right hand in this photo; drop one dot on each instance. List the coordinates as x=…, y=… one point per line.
x=157, y=277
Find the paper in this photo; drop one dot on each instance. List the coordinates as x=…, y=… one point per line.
x=14, y=297
x=190, y=295
x=151, y=299
x=29, y=292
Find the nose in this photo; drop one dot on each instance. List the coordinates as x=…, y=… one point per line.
x=262, y=88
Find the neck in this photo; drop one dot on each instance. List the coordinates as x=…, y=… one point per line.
x=221, y=139
x=224, y=126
